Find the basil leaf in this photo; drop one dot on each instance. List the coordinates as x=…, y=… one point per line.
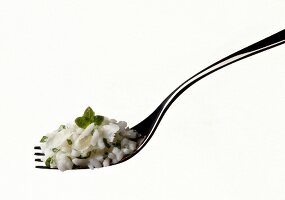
x=82, y=122
x=44, y=139
x=69, y=141
x=48, y=162
x=55, y=150
x=88, y=113
x=88, y=118
x=98, y=119
x=106, y=143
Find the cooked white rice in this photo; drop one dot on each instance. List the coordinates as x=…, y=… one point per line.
x=94, y=146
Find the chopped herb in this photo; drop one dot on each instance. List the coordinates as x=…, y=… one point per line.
x=82, y=122
x=88, y=113
x=61, y=127
x=98, y=119
x=106, y=143
x=85, y=156
x=48, y=162
x=52, y=161
x=44, y=139
x=69, y=141
x=55, y=150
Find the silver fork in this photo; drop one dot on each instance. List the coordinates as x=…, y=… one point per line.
x=147, y=127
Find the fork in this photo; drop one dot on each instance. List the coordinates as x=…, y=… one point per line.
x=148, y=126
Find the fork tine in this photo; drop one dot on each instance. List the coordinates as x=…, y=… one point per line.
x=40, y=161
x=39, y=154
x=44, y=167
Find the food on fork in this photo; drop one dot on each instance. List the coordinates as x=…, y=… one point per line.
x=91, y=141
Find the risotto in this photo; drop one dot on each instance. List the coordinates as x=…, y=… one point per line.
x=92, y=141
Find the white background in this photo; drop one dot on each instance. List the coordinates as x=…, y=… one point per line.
x=222, y=139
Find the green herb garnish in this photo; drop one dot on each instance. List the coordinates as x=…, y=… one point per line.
x=69, y=141
x=98, y=119
x=61, y=127
x=82, y=122
x=44, y=139
x=88, y=118
x=48, y=162
x=55, y=150
x=52, y=161
x=89, y=113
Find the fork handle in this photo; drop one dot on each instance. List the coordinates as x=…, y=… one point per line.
x=265, y=44
x=150, y=124
x=147, y=127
